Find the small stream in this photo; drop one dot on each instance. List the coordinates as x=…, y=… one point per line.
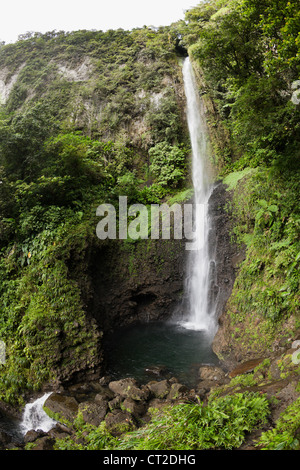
x=33, y=418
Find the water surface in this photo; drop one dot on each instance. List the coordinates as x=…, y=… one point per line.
x=131, y=351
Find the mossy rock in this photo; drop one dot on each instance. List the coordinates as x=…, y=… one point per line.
x=61, y=408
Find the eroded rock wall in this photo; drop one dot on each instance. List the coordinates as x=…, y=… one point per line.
x=137, y=282
x=145, y=281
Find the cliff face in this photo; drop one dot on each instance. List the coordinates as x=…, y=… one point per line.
x=144, y=281
x=107, y=85
x=139, y=283
x=88, y=117
x=81, y=114
x=226, y=253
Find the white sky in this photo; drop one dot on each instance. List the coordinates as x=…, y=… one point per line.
x=19, y=16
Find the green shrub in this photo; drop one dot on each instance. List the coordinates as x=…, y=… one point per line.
x=222, y=424
x=168, y=164
x=285, y=435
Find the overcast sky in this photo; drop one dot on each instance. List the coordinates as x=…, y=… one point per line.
x=20, y=16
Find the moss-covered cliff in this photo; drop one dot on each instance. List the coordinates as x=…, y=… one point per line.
x=86, y=117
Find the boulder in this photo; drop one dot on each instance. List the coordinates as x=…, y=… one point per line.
x=135, y=408
x=159, y=389
x=92, y=412
x=104, y=393
x=157, y=403
x=102, y=399
x=115, y=402
x=33, y=435
x=157, y=371
x=177, y=391
x=119, y=421
x=211, y=373
x=202, y=391
x=5, y=439
x=104, y=381
x=65, y=408
x=44, y=443
x=59, y=431
x=127, y=388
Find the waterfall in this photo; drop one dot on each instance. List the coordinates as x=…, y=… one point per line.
x=200, y=312
x=34, y=417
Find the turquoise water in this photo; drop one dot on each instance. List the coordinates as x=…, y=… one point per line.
x=131, y=351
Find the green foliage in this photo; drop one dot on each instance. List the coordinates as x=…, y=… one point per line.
x=227, y=44
x=168, y=164
x=75, y=155
x=88, y=437
x=164, y=118
x=181, y=197
x=267, y=221
x=22, y=138
x=83, y=111
x=249, y=54
x=266, y=215
x=285, y=434
x=231, y=180
x=281, y=26
x=221, y=424
x=42, y=316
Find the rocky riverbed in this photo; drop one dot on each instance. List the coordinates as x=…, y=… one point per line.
x=124, y=404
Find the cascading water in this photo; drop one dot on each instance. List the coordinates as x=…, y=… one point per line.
x=183, y=343
x=34, y=417
x=200, y=312
x=180, y=345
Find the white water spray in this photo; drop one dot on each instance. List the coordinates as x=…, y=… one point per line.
x=200, y=316
x=34, y=417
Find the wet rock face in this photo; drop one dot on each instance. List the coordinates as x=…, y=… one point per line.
x=222, y=250
x=5, y=439
x=144, y=281
x=138, y=283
